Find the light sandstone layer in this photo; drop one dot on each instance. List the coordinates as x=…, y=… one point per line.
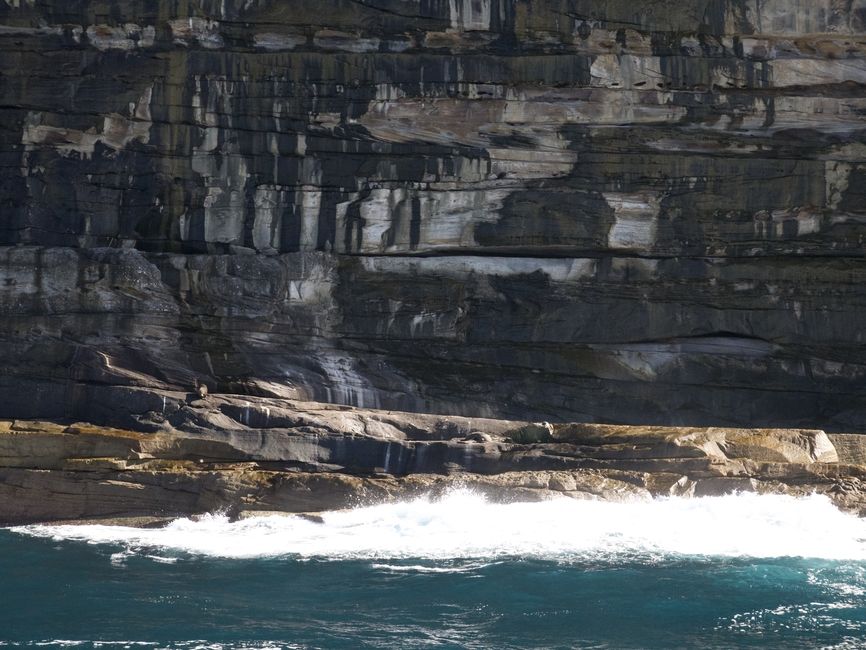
x=243, y=456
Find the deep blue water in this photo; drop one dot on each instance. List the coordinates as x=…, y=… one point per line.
x=59, y=590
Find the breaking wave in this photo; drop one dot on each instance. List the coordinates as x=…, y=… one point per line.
x=462, y=525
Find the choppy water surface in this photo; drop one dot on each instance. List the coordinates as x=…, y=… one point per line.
x=762, y=571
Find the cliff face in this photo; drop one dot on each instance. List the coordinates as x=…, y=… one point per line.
x=642, y=211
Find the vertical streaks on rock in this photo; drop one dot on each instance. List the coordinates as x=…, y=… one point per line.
x=649, y=210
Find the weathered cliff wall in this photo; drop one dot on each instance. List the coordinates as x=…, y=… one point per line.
x=642, y=211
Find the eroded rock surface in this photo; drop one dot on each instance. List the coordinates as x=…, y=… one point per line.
x=634, y=212
x=264, y=455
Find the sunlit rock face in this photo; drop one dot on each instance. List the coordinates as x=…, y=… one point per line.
x=642, y=211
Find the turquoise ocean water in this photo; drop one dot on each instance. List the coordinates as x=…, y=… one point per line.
x=737, y=571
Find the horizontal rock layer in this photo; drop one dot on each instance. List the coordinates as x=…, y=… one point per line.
x=218, y=453
x=642, y=212
x=622, y=340
x=225, y=453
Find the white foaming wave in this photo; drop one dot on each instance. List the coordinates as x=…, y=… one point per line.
x=462, y=525
x=463, y=567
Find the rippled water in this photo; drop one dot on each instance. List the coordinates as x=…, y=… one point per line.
x=761, y=571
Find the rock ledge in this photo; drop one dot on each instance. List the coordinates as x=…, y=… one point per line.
x=250, y=455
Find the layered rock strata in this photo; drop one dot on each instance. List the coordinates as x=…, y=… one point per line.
x=251, y=456
x=642, y=211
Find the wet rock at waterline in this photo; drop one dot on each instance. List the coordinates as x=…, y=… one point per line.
x=262, y=455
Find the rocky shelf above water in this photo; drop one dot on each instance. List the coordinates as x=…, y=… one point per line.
x=251, y=455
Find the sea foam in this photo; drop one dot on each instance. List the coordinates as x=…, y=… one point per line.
x=462, y=525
